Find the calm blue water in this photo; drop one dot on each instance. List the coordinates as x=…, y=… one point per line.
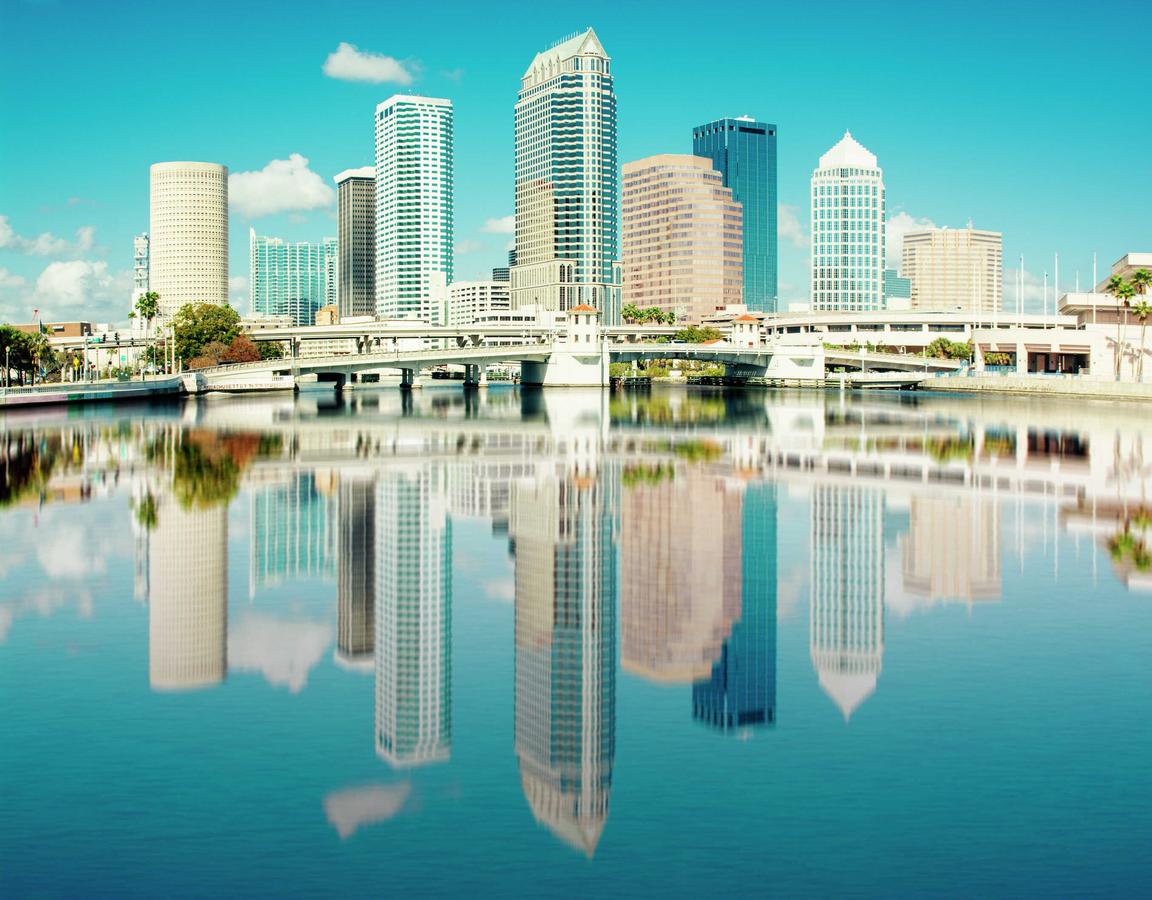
x=682, y=644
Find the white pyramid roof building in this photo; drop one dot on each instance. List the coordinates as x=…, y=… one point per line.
x=849, y=152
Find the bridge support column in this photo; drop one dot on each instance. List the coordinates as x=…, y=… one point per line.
x=566, y=368
x=410, y=378
x=475, y=376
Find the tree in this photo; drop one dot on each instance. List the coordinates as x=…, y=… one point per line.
x=1122, y=291
x=270, y=350
x=241, y=350
x=630, y=313
x=196, y=325
x=1143, y=309
x=147, y=308
x=696, y=334
x=1141, y=284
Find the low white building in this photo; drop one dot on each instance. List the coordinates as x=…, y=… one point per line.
x=470, y=301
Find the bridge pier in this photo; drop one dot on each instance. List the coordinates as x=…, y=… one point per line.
x=475, y=376
x=410, y=378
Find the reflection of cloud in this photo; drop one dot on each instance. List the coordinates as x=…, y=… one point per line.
x=791, y=592
x=283, y=652
x=500, y=589
x=65, y=552
x=6, y=617
x=349, y=809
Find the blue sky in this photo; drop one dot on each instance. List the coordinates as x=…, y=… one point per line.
x=1027, y=118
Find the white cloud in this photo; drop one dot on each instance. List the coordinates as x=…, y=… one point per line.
x=468, y=246
x=10, y=279
x=349, y=809
x=67, y=290
x=897, y=226
x=283, y=651
x=789, y=228
x=284, y=185
x=237, y=290
x=46, y=243
x=503, y=590
x=348, y=63
x=502, y=225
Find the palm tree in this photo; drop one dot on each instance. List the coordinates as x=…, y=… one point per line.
x=1122, y=291
x=38, y=348
x=1141, y=284
x=1143, y=309
x=147, y=308
x=630, y=313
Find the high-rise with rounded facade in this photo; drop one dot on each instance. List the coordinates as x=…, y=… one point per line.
x=848, y=230
x=188, y=234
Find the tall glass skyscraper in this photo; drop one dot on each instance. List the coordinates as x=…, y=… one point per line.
x=567, y=238
x=414, y=208
x=743, y=151
x=291, y=278
x=848, y=230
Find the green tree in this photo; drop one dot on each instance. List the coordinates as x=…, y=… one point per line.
x=147, y=308
x=1122, y=291
x=196, y=325
x=1142, y=284
x=697, y=334
x=270, y=350
x=630, y=313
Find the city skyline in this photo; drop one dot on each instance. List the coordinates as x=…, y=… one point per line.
x=72, y=251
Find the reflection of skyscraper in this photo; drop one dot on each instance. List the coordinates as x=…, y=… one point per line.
x=356, y=570
x=846, y=637
x=741, y=692
x=680, y=578
x=563, y=532
x=413, y=618
x=188, y=596
x=293, y=533
x=952, y=551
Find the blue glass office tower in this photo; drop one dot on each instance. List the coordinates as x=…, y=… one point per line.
x=743, y=151
x=741, y=692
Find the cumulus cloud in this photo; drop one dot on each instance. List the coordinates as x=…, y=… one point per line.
x=237, y=290
x=502, y=225
x=10, y=279
x=468, y=246
x=284, y=185
x=349, y=63
x=789, y=228
x=46, y=243
x=503, y=590
x=350, y=809
x=283, y=651
x=897, y=226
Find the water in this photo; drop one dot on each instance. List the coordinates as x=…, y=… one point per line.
x=557, y=643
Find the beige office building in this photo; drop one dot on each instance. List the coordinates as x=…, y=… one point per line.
x=954, y=269
x=188, y=233
x=681, y=237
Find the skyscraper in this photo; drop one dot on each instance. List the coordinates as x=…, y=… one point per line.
x=680, y=237
x=356, y=242
x=414, y=208
x=567, y=240
x=413, y=617
x=563, y=532
x=139, y=266
x=954, y=269
x=743, y=151
x=291, y=278
x=188, y=234
x=846, y=615
x=848, y=230
x=740, y=694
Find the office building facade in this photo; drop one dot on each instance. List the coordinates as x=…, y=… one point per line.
x=188, y=234
x=743, y=151
x=681, y=237
x=954, y=269
x=414, y=208
x=356, y=242
x=848, y=230
x=469, y=301
x=567, y=240
x=291, y=278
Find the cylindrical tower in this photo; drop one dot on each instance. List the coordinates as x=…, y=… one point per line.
x=189, y=234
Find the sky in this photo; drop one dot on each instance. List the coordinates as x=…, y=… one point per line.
x=1026, y=118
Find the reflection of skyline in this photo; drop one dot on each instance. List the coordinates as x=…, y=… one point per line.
x=293, y=532
x=846, y=617
x=563, y=531
x=188, y=596
x=741, y=691
x=356, y=568
x=952, y=550
x=413, y=617
x=680, y=574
